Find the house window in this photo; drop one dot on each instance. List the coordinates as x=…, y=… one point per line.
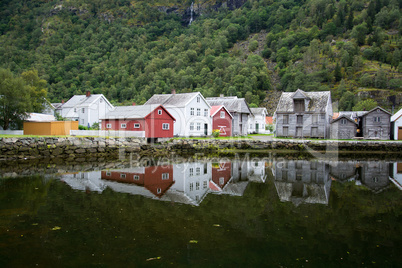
x=198, y=99
x=159, y=190
x=300, y=119
x=191, y=126
x=159, y=111
x=101, y=101
x=136, y=177
x=191, y=111
x=205, y=168
x=123, y=125
x=205, y=185
x=198, y=111
x=205, y=112
x=75, y=110
x=165, y=126
x=108, y=125
x=299, y=105
x=191, y=171
x=83, y=110
x=377, y=119
x=197, y=185
x=108, y=173
x=343, y=122
x=122, y=175
x=285, y=131
x=285, y=119
x=136, y=125
x=221, y=180
x=165, y=176
x=197, y=171
x=191, y=186
x=222, y=114
x=82, y=121
x=313, y=165
x=198, y=126
x=315, y=118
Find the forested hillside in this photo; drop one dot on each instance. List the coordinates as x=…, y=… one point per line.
x=130, y=50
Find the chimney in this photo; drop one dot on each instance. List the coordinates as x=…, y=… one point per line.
x=134, y=104
x=173, y=91
x=62, y=101
x=88, y=93
x=221, y=95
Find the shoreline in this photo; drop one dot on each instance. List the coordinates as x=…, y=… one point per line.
x=81, y=148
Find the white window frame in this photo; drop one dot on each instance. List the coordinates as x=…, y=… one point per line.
x=191, y=171
x=159, y=112
x=198, y=171
x=123, y=175
x=159, y=190
x=343, y=122
x=109, y=125
x=191, y=126
x=198, y=99
x=136, y=125
x=198, y=111
x=83, y=110
x=165, y=126
x=205, y=112
x=197, y=186
x=123, y=125
x=165, y=176
x=377, y=119
x=191, y=111
x=222, y=114
x=136, y=177
x=108, y=173
x=198, y=126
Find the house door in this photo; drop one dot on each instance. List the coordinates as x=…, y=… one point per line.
x=299, y=131
x=257, y=126
x=400, y=133
x=205, y=129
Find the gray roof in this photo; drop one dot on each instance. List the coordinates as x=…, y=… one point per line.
x=258, y=110
x=232, y=104
x=125, y=112
x=345, y=117
x=351, y=115
x=318, y=101
x=82, y=100
x=56, y=105
x=173, y=100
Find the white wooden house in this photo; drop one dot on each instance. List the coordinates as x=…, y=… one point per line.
x=86, y=109
x=257, y=120
x=191, y=111
x=396, y=121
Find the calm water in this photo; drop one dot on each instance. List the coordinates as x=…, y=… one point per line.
x=247, y=212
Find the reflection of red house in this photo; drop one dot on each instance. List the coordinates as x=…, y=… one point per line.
x=154, y=121
x=221, y=174
x=221, y=120
x=156, y=179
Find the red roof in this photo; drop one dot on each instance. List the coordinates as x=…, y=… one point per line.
x=335, y=115
x=269, y=120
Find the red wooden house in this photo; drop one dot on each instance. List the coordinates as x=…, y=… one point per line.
x=153, y=121
x=221, y=175
x=221, y=120
x=156, y=179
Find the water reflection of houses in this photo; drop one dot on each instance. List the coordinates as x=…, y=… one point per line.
x=374, y=175
x=187, y=183
x=302, y=181
x=155, y=179
x=84, y=181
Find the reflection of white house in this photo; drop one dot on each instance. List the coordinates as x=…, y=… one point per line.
x=397, y=175
x=191, y=181
x=84, y=181
x=257, y=120
x=86, y=109
x=256, y=171
x=190, y=110
x=302, y=181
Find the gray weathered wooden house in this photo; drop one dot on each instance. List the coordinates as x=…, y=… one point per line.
x=376, y=124
x=238, y=108
x=343, y=127
x=304, y=114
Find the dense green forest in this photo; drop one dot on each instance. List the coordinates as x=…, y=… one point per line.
x=130, y=50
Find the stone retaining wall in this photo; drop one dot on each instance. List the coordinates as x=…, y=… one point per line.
x=90, y=147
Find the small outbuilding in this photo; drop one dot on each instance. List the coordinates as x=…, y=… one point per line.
x=343, y=127
x=396, y=121
x=221, y=120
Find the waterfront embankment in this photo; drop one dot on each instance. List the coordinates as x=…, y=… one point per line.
x=81, y=148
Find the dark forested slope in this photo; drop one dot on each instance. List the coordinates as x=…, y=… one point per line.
x=130, y=50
